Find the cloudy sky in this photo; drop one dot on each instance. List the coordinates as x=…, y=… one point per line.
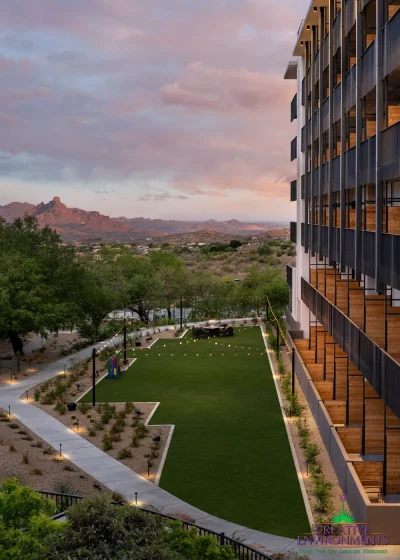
x=155, y=108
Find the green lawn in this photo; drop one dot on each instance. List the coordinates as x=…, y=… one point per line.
x=229, y=453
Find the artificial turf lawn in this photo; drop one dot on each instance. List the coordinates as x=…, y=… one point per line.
x=229, y=453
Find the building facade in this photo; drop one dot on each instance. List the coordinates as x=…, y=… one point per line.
x=344, y=311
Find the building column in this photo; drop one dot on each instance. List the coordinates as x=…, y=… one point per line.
x=378, y=147
x=358, y=235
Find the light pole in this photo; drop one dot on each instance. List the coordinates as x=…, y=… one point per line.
x=181, y=311
x=94, y=376
x=125, y=360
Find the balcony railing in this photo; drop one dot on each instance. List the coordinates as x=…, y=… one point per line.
x=293, y=191
x=336, y=33
x=325, y=51
x=349, y=16
x=368, y=159
x=325, y=115
x=368, y=70
x=391, y=44
x=289, y=275
x=336, y=102
x=293, y=149
x=390, y=152
x=293, y=232
x=350, y=88
x=380, y=369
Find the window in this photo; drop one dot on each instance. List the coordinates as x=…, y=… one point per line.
x=351, y=57
x=337, y=70
x=336, y=138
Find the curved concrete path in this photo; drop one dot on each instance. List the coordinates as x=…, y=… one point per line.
x=110, y=472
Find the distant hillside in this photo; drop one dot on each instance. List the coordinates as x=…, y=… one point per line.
x=75, y=224
x=15, y=210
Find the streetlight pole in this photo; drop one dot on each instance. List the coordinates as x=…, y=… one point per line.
x=125, y=360
x=94, y=376
x=267, y=308
x=181, y=311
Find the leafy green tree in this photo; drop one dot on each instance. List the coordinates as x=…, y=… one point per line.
x=37, y=278
x=142, y=288
x=25, y=522
x=173, y=279
x=235, y=243
x=99, y=293
x=264, y=250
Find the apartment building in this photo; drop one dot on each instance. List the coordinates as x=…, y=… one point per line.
x=344, y=312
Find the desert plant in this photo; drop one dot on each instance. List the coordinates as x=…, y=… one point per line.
x=69, y=468
x=118, y=498
x=11, y=447
x=13, y=426
x=36, y=394
x=25, y=458
x=311, y=453
x=92, y=432
x=99, y=426
x=124, y=453
x=37, y=471
x=135, y=441
x=107, y=442
x=84, y=407
x=64, y=486
x=61, y=408
x=141, y=430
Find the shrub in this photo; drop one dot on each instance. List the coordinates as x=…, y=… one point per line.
x=11, y=447
x=92, y=432
x=99, y=426
x=36, y=394
x=294, y=408
x=311, y=453
x=19, y=504
x=107, y=442
x=49, y=398
x=322, y=494
x=141, y=430
x=64, y=486
x=37, y=471
x=106, y=416
x=69, y=468
x=98, y=529
x=129, y=407
x=13, y=426
x=84, y=407
x=125, y=453
x=135, y=441
x=25, y=458
x=61, y=408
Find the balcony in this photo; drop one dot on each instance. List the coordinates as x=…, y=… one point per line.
x=293, y=232
x=336, y=33
x=293, y=191
x=391, y=44
x=293, y=149
x=377, y=366
x=368, y=70
x=293, y=108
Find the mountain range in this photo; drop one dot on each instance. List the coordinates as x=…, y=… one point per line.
x=75, y=224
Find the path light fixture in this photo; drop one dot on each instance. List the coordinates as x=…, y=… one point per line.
x=307, y=466
x=148, y=469
x=78, y=386
x=9, y=411
x=27, y=397
x=136, y=498
x=157, y=437
x=60, y=449
x=77, y=424
x=138, y=411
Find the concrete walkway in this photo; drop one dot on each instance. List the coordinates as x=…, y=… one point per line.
x=109, y=471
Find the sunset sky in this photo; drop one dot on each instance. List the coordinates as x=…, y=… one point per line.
x=155, y=108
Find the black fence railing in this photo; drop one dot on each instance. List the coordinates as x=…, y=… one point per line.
x=62, y=501
x=241, y=550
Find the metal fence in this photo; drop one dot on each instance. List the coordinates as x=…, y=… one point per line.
x=241, y=550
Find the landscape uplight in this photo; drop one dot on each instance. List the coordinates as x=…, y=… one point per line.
x=60, y=449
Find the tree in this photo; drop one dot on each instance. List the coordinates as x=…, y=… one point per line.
x=37, y=276
x=257, y=284
x=97, y=529
x=141, y=285
x=99, y=293
x=25, y=522
x=235, y=243
x=264, y=250
x=172, y=277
